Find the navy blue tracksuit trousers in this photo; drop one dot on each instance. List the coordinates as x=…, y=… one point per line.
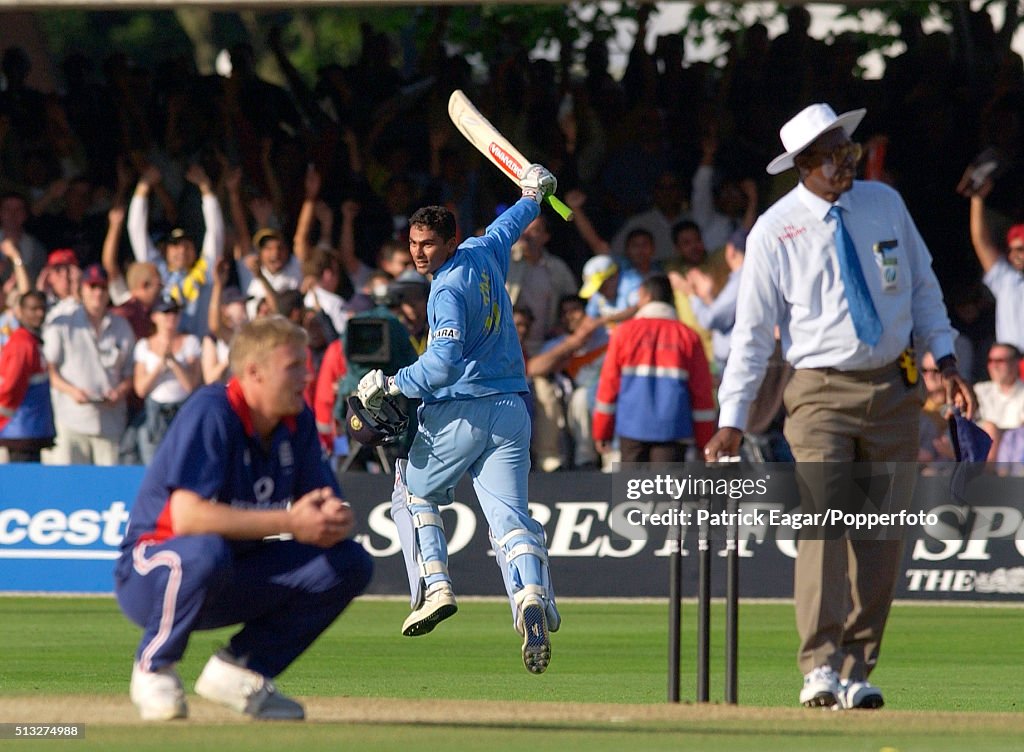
x=284, y=593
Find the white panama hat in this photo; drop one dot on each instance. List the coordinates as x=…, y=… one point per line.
x=806, y=126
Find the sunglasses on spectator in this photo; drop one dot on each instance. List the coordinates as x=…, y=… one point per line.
x=1000, y=360
x=930, y=370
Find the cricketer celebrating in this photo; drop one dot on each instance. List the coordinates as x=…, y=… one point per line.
x=473, y=418
x=238, y=520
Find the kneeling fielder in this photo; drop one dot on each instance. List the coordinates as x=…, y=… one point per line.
x=238, y=520
x=473, y=419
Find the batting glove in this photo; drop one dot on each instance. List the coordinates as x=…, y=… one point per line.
x=537, y=182
x=372, y=388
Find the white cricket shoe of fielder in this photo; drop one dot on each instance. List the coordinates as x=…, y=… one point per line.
x=536, y=640
x=245, y=691
x=158, y=694
x=859, y=695
x=438, y=604
x=821, y=688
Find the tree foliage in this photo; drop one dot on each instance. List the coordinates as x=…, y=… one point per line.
x=316, y=36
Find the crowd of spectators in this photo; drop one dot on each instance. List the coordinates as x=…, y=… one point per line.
x=156, y=209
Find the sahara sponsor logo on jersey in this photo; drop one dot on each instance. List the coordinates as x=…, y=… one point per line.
x=448, y=332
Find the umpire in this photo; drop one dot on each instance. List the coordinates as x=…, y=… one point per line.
x=840, y=267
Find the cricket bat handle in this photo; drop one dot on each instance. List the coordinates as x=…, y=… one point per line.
x=559, y=206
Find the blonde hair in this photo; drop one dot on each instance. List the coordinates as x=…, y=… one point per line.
x=258, y=338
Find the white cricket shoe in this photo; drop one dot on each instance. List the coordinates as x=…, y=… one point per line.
x=536, y=640
x=245, y=691
x=821, y=688
x=158, y=694
x=859, y=695
x=438, y=604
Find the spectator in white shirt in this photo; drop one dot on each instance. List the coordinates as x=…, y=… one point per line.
x=721, y=202
x=717, y=312
x=322, y=284
x=272, y=268
x=89, y=352
x=668, y=210
x=167, y=371
x=1001, y=400
x=187, y=277
x=1004, y=275
x=227, y=316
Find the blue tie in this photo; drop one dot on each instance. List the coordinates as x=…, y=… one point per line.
x=865, y=318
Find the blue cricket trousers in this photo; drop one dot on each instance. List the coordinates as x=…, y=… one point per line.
x=489, y=438
x=284, y=593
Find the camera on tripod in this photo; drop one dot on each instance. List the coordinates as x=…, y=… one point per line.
x=368, y=341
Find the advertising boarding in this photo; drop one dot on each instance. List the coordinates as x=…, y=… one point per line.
x=609, y=535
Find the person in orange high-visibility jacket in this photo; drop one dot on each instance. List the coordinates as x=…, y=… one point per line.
x=655, y=386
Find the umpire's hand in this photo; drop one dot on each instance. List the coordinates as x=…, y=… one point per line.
x=320, y=518
x=725, y=443
x=960, y=393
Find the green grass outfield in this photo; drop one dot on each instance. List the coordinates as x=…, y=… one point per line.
x=951, y=676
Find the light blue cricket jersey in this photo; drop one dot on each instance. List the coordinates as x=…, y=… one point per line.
x=473, y=349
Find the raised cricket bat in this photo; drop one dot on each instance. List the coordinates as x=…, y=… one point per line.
x=488, y=140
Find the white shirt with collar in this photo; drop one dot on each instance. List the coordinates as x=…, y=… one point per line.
x=289, y=278
x=1007, y=286
x=715, y=227
x=791, y=278
x=656, y=223
x=333, y=306
x=1004, y=409
x=95, y=361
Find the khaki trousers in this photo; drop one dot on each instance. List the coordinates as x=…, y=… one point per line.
x=577, y=423
x=548, y=442
x=843, y=588
x=73, y=448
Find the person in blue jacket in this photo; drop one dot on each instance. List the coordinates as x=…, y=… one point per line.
x=472, y=381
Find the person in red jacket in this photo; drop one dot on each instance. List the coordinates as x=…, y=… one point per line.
x=655, y=387
x=332, y=367
x=26, y=415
